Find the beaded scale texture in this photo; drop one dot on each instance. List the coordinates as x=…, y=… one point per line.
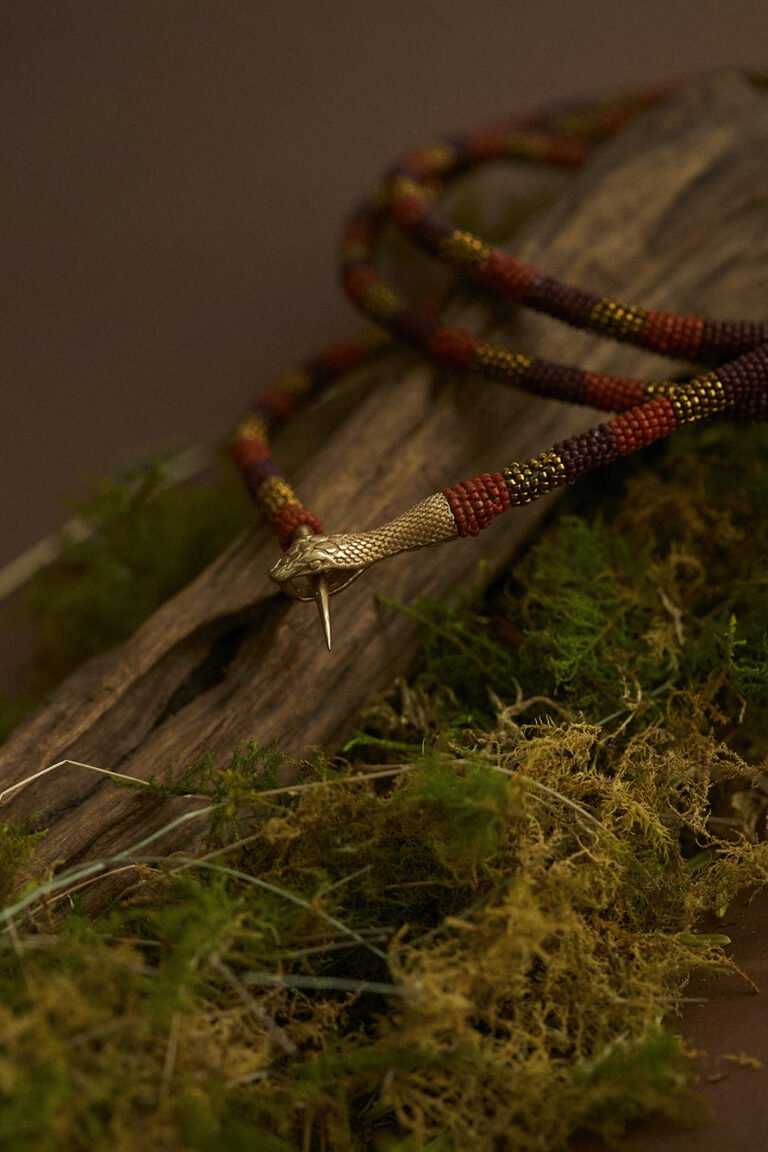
x=316, y=565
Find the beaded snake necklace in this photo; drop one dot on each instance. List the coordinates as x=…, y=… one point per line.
x=315, y=565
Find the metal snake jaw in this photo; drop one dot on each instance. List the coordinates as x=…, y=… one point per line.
x=310, y=570
x=316, y=567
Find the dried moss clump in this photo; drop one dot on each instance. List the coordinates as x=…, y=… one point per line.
x=476, y=947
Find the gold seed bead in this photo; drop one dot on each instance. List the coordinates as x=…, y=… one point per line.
x=275, y=492
x=405, y=186
x=463, y=248
x=536, y=477
x=616, y=319
x=440, y=156
x=500, y=363
x=380, y=301
x=702, y=397
x=252, y=428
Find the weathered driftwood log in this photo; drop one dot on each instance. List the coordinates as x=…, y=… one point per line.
x=674, y=214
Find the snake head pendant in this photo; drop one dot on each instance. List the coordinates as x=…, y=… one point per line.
x=316, y=567
x=313, y=569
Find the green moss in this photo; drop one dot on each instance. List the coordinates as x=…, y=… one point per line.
x=146, y=541
x=17, y=844
x=477, y=946
x=654, y=609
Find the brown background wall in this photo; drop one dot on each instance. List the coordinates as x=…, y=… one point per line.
x=175, y=172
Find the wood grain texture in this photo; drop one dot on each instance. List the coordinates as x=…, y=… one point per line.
x=674, y=214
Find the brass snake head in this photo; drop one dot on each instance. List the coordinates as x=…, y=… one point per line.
x=316, y=567
x=310, y=557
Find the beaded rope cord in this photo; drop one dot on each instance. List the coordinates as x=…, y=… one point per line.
x=315, y=565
